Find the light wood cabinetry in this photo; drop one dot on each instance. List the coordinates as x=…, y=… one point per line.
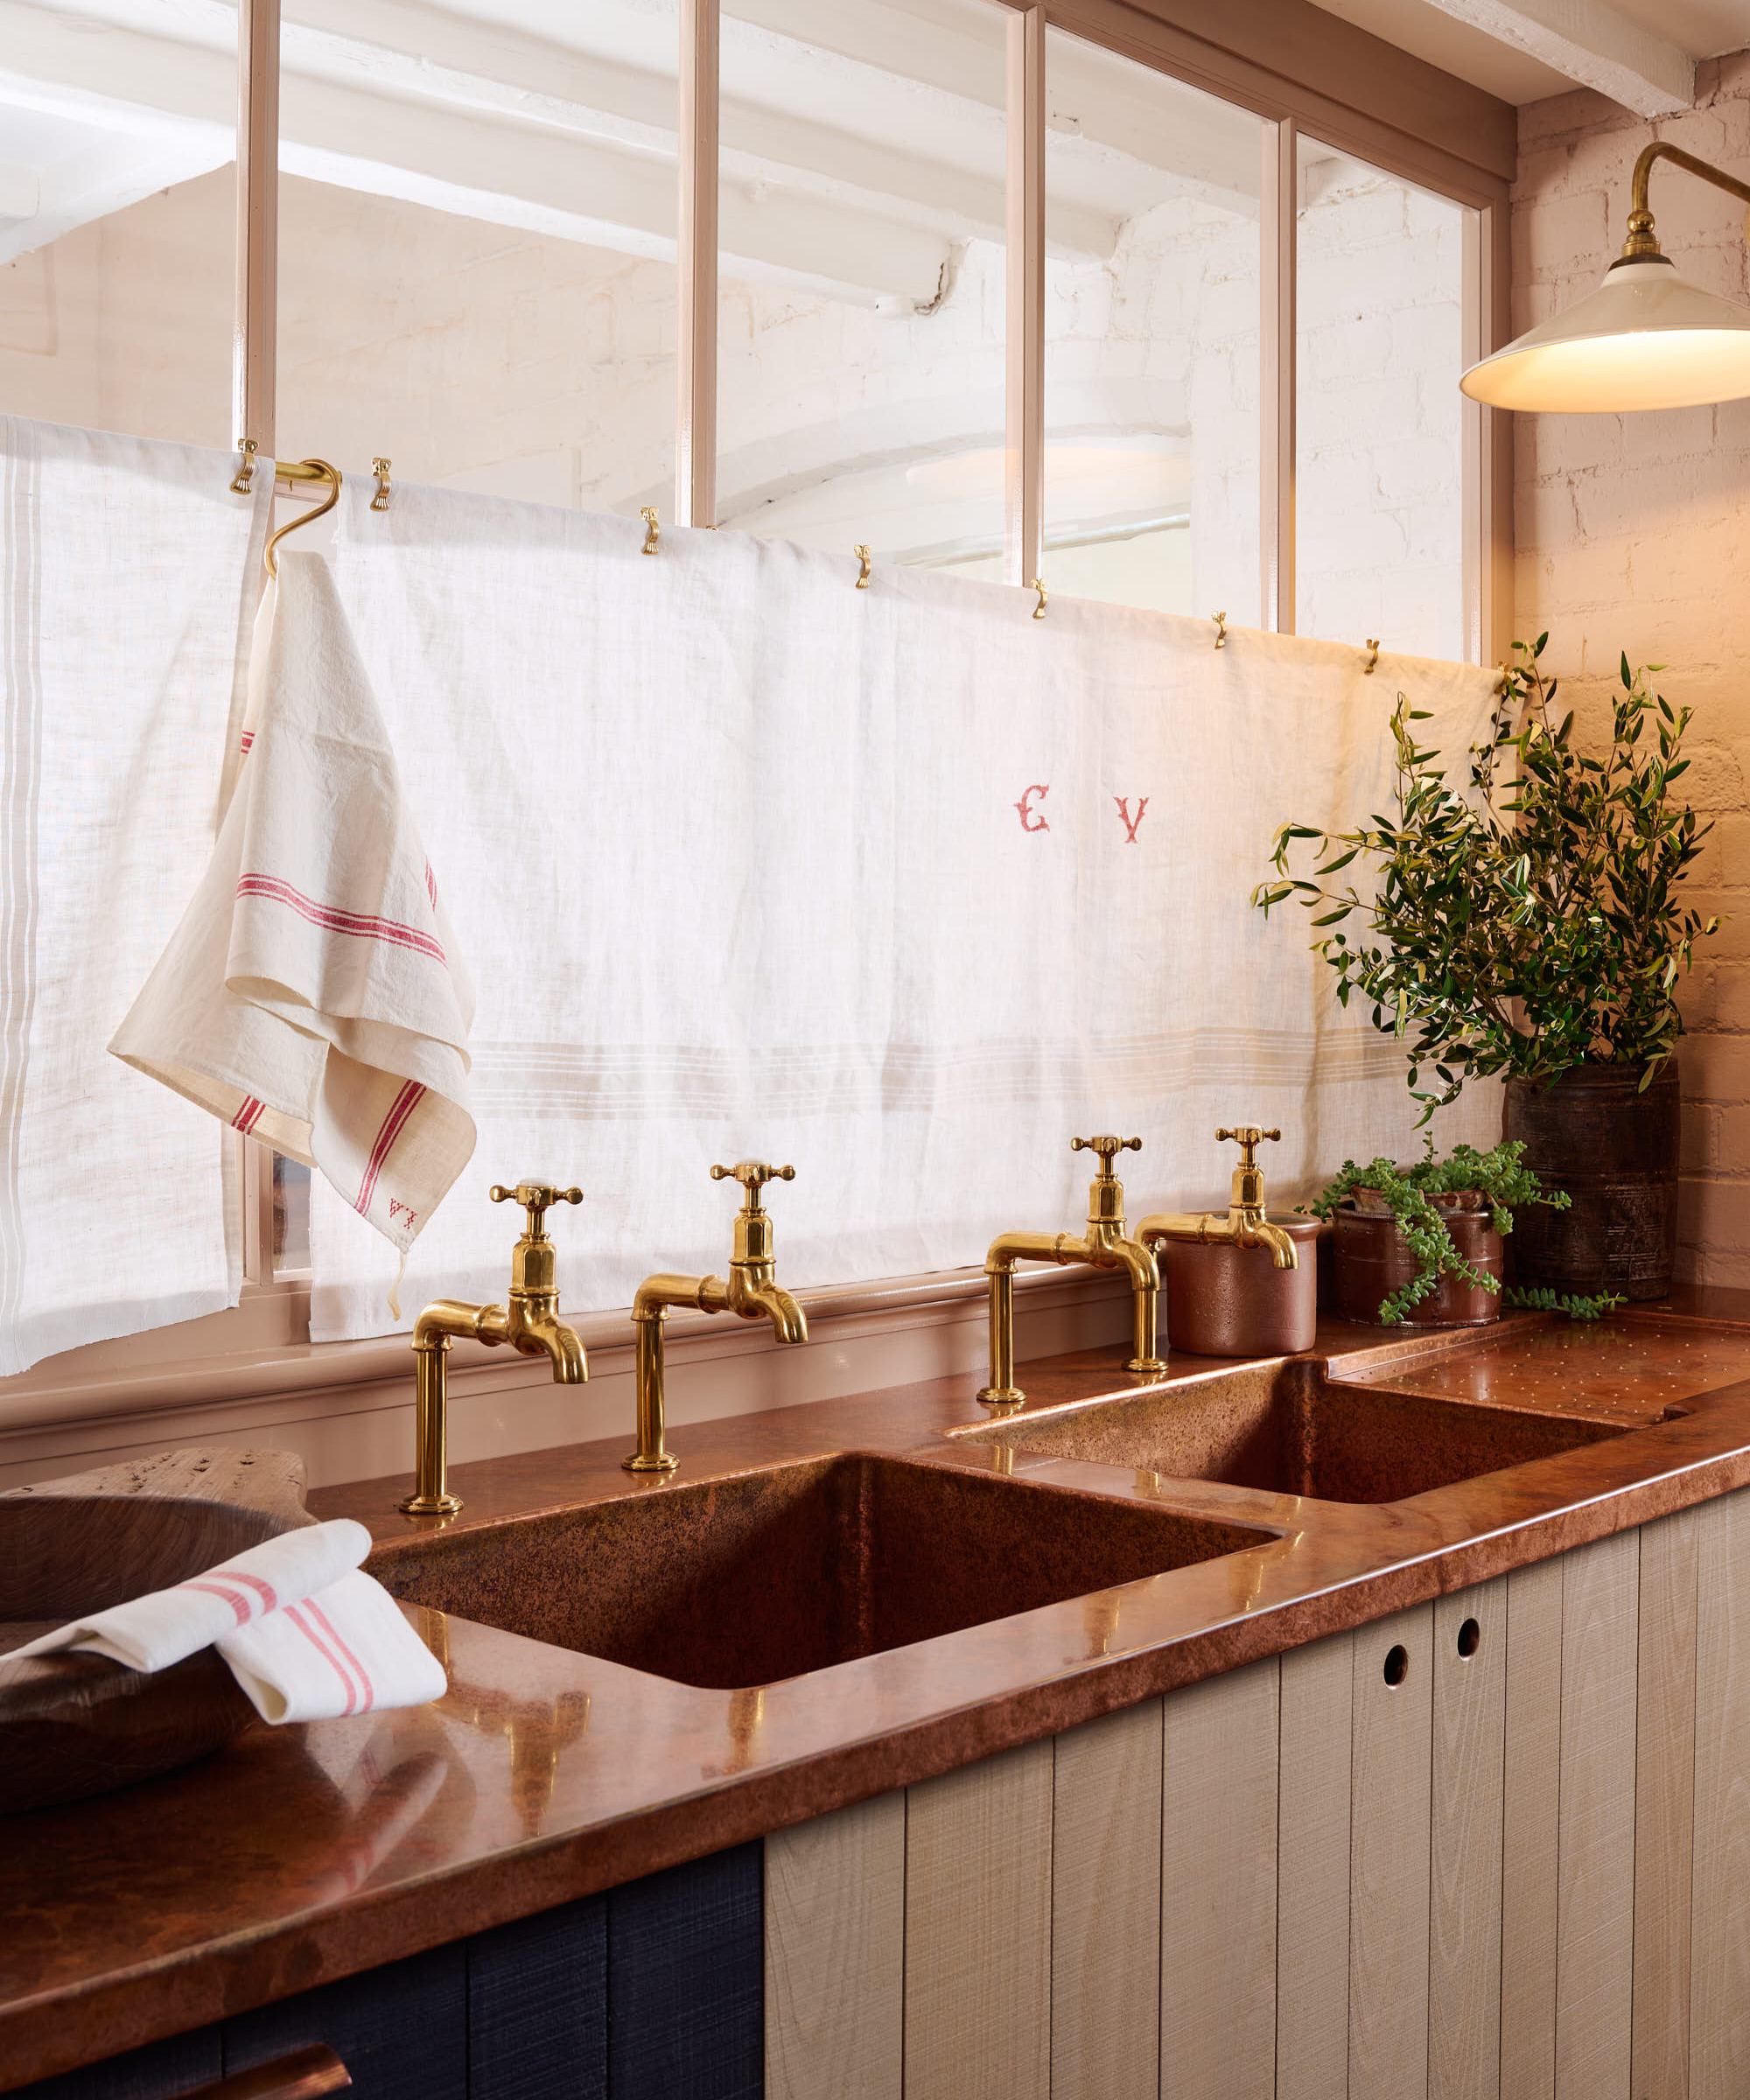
x=1498, y=1845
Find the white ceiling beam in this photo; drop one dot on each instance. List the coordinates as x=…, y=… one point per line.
x=90, y=184
x=416, y=52
x=1593, y=45
x=580, y=189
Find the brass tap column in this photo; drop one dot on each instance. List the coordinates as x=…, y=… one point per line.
x=529, y=1323
x=1246, y=1224
x=752, y=1292
x=1104, y=1244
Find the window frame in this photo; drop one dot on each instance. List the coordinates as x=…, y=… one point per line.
x=1289, y=63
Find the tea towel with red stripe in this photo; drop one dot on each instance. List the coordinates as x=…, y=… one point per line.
x=307, y=1633
x=312, y=995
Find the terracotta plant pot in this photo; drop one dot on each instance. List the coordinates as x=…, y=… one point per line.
x=1614, y=1151
x=1370, y=1259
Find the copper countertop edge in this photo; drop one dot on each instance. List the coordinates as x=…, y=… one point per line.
x=129, y=1939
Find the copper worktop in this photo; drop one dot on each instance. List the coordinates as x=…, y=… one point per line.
x=301, y=1854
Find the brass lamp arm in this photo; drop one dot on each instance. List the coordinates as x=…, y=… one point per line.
x=1642, y=244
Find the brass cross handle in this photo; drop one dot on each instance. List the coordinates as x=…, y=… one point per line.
x=534, y=1197
x=1107, y=1148
x=752, y=1174
x=1248, y=1137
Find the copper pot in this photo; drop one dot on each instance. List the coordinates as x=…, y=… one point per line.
x=1371, y=1259
x=1223, y=1300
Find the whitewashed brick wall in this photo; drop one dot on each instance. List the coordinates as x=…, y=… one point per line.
x=1632, y=534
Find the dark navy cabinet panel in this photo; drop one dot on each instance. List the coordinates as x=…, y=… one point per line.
x=402, y=2030
x=161, y=2068
x=686, y=2014
x=537, y=2006
x=653, y=1991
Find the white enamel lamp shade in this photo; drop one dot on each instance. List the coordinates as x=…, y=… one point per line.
x=1646, y=339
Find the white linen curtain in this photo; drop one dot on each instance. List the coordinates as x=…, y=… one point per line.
x=127, y=574
x=745, y=861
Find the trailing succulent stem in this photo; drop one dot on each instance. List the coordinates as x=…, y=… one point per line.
x=1538, y=1297
x=1500, y=1177
x=1528, y=919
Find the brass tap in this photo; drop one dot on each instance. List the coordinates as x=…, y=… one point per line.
x=1104, y=1244
x=752, y=1292
x=1245, y=1224
x=530, y=1323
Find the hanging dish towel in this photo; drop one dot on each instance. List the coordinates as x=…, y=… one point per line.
x=307, y=1635
x=313, y=996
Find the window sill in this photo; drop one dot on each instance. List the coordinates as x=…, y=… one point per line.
x=245, y=1375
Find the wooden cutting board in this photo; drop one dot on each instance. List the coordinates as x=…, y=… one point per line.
x=72, y=1726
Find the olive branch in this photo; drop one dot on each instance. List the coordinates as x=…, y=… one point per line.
x=1529, y=920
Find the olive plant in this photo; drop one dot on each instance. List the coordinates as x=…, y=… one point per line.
x=1527, y=918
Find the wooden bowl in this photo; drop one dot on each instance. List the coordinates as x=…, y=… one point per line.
x=71, y=1726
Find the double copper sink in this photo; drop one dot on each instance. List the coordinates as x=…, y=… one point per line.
x=762, y=1574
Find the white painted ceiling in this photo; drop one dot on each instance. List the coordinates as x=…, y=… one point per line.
x=1703, y=29
x=860, y=144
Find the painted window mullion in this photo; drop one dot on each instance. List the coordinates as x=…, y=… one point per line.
x=696, y=253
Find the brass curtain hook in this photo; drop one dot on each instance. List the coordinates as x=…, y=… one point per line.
x=1221, y=619
x=1373, y=658
x=1039, y=610
x=380, y=468
x=307, y=470
x=246, y=470
x=863, y=558
x=651, y=529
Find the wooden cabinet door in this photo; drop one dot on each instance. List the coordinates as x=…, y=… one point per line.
x=1389, y=1857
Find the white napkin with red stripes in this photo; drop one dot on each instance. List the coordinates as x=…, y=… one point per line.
x=312, y=995
x=306, y=1633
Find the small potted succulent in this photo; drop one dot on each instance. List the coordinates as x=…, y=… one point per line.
x=1423, y=1245
x=1525, y=919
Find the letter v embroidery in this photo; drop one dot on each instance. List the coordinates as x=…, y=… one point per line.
x=1130, y=822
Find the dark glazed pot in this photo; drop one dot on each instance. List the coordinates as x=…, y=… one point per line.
x=1614, y=1151
x=1370, y=1259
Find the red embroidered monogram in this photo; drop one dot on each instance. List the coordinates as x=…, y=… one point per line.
x=431, y=885
x=362, y=924
x=1130, y=824
x=398, y=1209
x=1026, y=809
x=402, y=1107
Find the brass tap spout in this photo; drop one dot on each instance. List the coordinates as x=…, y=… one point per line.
x=1245, y=1224
x=1103, y=1244
x=528, y=1322
x=751, y=1293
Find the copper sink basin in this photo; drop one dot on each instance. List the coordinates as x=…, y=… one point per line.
x=765, y=1576
x=1282, y=1428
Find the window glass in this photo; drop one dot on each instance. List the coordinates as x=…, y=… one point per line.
x=117, y=216
x=1379, y=493
x=861, y=273
x=290, y=1215
x=1151, y=338
x=477, y=210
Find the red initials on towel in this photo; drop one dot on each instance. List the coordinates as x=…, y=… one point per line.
x=1026, y=809
x=1123, y=802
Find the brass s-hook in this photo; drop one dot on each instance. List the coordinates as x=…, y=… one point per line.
x=304, y=470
